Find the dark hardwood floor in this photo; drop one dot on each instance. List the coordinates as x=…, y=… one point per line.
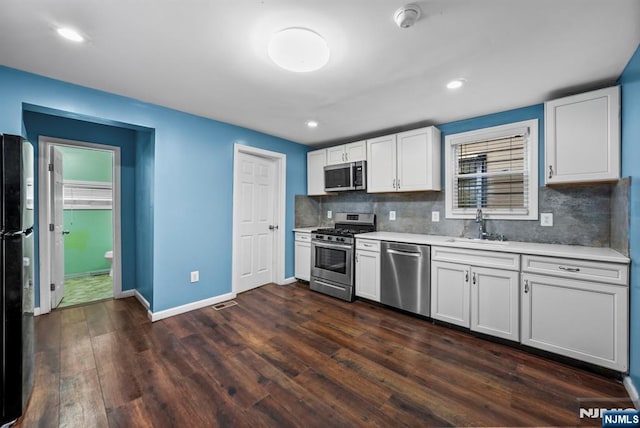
x=286, y=356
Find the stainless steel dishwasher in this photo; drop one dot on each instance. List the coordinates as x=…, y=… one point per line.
x=405, y=280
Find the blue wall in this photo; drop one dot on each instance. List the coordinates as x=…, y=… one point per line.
x=630, y=82
x=192, y=179
x=144, y=213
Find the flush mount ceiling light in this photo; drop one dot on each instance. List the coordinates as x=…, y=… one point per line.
x=312, y=123
x=299, y=50
x=70, y=34
x=455, y=84
x=407, y=15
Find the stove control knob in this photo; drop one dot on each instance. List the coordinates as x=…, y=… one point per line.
x=341, y=239
x=329, y=238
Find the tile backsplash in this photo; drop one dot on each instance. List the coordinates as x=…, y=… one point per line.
x=595, y=215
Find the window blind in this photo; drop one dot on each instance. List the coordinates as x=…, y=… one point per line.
x=491, y=174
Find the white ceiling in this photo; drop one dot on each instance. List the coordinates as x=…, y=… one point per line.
x=208, y=57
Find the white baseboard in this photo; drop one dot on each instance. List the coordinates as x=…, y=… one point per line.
x=36, y=311
x=126, y=293
x=144, y=302
x=632, y=391
x=289, y=280
x=156, y=316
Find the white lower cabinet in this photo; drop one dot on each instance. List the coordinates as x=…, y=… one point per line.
x=581, y=319
x=302, y=256
x=368, y=269
x=474, y=295
x=495, y=302
x=450, y=293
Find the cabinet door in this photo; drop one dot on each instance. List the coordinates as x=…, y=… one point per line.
x=419, y=160
x=584, y=320
x=355, y=152
x=450, y=293
x=368, y=275
x=495, y=299
x=336, y=155
x=315, y=172
x=582, y=137
x=302, y=260
x=381, y=164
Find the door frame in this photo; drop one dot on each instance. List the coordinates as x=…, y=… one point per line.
x=279, y=208
x=44, y=214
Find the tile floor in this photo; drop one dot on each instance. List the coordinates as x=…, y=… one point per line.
x=85, y=289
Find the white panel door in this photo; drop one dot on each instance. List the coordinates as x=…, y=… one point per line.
x=256, y=181
x=356, y=151
x=368, y=275
x=302, y=261
x=336, y=155
x=495, y=299
x=316, y=161
x=419, y=160
x=450, y=293
x=381, y=164
x=580, y=319
x=57, y=219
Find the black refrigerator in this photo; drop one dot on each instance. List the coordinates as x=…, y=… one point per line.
x=16, y=275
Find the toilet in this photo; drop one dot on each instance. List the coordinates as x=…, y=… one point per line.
x=108, y=256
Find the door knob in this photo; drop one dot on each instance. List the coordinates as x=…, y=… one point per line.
x=65, y=232
x=272, y=227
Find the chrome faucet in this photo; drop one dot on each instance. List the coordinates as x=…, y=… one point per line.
x=482, y=233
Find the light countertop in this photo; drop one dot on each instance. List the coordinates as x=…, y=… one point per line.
x=601, y=254
x=305, y=229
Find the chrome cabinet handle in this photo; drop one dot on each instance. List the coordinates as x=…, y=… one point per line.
x=394, y=183
x=346, y=157
x=474, y=278
x=466, y=276
x=526, y=285
x=398, y=184
x=569, y=269
x=356, y=257
x=550, y=171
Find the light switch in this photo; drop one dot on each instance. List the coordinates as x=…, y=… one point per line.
x=435, y=216
x=195, y=276
x=392, y=215
x=546, y=219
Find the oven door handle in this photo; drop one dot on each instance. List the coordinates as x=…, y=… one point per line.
x=326, y=284
x=330, y=246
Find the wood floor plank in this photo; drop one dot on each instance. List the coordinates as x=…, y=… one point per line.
x=287, y=356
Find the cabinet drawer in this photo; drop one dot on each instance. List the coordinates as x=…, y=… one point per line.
x=368, y=244
x=494, y=259
x=302, y=236
x=612, y=273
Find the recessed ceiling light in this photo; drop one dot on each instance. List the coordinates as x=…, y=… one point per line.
x=70, y=34
x=312, y=124
x=299, y=50
x=455, y=84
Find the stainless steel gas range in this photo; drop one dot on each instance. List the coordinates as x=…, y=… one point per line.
x=333, y=252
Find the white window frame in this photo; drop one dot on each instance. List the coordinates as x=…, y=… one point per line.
x=450, y=141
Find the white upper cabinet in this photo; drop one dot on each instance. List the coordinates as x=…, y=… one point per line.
x=316, y=161
x=351, y=152
x=404, y=162
x=582, y=137
x=381, y=164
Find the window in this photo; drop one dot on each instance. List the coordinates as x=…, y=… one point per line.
x=493, y=169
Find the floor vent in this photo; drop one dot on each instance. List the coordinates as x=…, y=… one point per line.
x=224, y=305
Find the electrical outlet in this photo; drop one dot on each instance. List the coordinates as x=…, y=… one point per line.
x=392, y=215
x=195, y=276
x=435, y=216
x=329, y=214
x=546, y=219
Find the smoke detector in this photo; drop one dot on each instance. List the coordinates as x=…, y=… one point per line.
x=407, y=15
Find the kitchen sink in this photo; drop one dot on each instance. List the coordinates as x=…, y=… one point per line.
x=477, y=241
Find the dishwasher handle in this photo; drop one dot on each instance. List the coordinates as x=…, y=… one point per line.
x=403, y=253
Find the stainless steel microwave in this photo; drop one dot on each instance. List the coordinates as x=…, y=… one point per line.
x=345, y=176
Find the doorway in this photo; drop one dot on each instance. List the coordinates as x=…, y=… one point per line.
x=258, y=217
x=79, y=222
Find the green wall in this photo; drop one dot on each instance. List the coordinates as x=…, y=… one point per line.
x=91, y=231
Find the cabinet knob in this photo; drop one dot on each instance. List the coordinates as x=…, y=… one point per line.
x=474, y=278
x=394, y=183
x=526, y=285
x=466, y=276
x=398, y=184
x=550, y=171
